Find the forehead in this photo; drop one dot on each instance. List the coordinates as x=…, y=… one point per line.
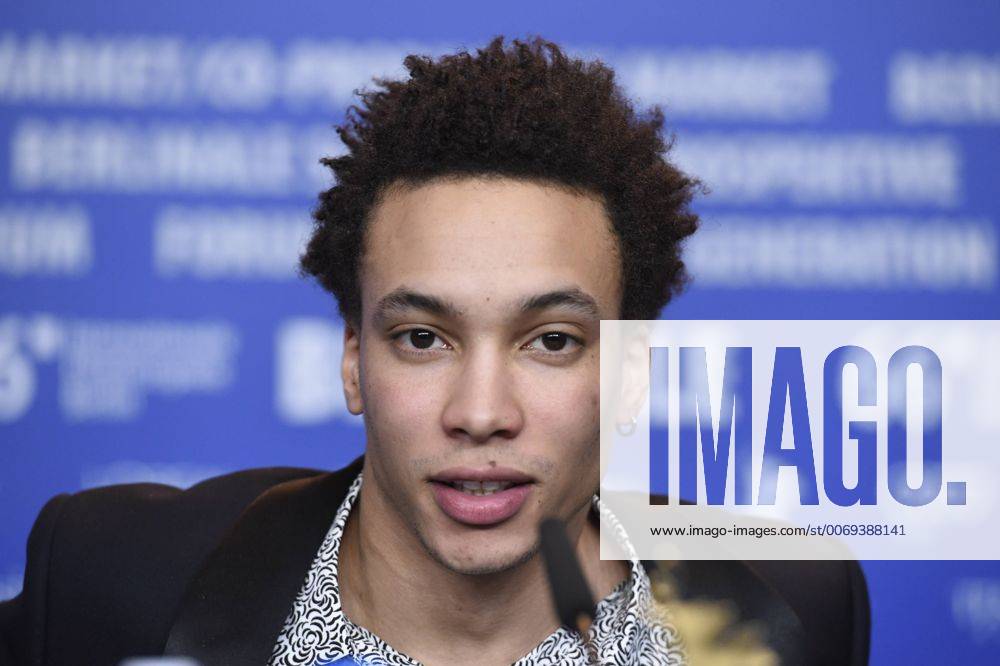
x=478, y=241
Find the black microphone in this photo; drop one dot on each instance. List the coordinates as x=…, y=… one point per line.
x=573, y=600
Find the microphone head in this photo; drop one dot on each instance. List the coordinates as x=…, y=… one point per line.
x=573, y=600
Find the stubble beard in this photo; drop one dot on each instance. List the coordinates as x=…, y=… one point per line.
x=482, y=570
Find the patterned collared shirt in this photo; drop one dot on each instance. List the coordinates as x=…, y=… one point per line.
x=317, y=632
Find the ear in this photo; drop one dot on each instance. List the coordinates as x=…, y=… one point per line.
x=636, y=361
x=350, y=369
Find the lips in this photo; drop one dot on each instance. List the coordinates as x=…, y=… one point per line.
x=481, y=497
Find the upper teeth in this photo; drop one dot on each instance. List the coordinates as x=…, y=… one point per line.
x=481, y=487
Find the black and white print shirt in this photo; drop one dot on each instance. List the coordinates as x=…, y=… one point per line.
x=317, y=633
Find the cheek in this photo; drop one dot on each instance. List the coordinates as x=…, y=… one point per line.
x=566, y=422
x=563, y=407
x=399, y=402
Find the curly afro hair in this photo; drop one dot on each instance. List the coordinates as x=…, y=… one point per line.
x=525, y=111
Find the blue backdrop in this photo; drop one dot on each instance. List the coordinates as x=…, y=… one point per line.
x=158, y=164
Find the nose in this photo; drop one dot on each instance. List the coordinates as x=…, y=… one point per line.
x=482, y=405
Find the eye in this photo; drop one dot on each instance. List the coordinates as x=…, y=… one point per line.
x=555, y=342
x=419, y=339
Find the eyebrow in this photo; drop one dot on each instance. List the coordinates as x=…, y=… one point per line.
x=403, y=299
x=572, y=299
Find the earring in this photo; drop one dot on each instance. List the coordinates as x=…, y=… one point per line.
x=627, y=430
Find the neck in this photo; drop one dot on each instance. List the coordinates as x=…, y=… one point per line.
x=392, y=586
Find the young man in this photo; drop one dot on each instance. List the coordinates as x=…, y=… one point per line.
x=490, y=211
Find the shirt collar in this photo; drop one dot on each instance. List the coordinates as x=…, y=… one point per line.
x=316, y=630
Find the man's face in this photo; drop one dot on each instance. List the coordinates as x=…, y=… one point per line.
x=477, y=362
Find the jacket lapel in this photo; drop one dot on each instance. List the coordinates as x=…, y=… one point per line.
x=236, y=605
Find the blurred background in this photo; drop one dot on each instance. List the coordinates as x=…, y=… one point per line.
x=158, y=163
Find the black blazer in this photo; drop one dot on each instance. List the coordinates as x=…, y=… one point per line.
x=211, y=572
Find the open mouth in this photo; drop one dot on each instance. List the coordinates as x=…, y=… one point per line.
x=481, y=497
x=481, y=488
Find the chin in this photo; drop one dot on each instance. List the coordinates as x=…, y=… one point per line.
x=482, y=560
